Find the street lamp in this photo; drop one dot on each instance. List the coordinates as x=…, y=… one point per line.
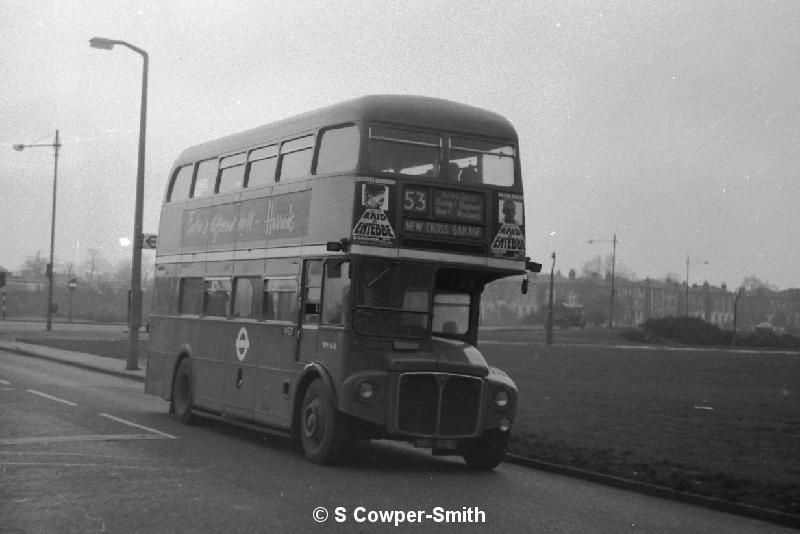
x=613, y=266
x=55, y=145
x=549, y=333
x=136, y=262
x=687, y=283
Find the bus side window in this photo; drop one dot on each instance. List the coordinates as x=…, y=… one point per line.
x=313, y=291
x=191, y=290
x=262, y=164
x=245, y=298
x=296, y=156
x=231, y=174
x=216, y=295
x=181, y=184
x=280, y=299
x=336, y=296
x=338, y=150
x=206, y=178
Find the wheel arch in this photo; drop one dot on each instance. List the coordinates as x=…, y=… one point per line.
x=310, y=373
x=183, y=353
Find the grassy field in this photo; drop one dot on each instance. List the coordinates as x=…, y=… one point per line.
x=716, y=422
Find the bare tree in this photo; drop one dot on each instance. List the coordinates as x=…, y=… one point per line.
x=601, y=266
x=751, y=283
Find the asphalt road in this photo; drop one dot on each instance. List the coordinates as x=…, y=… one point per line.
x=87, y=452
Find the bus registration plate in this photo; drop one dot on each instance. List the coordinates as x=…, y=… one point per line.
x=425, y=443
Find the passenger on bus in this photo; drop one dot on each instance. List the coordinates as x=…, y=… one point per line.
x=469, y=175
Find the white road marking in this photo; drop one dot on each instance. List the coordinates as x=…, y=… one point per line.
x=46, y=396
x=142, y=427
x=4, y=383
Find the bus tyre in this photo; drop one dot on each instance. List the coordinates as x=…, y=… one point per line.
x=323, y=432
x=486, y=452
x=183, y=392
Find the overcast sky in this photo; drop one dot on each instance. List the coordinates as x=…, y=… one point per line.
x=675, y=125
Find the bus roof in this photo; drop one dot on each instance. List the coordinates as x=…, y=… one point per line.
x=414, y=111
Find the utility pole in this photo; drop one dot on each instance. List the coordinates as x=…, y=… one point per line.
x=549, y=335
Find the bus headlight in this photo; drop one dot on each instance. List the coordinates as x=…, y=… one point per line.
x=501, y=399
x=366, y=391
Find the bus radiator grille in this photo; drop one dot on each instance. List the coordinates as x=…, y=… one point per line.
x=438, y=404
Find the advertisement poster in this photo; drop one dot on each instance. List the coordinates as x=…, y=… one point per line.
x=251, y=222
x=373, y=212
x=509, y=241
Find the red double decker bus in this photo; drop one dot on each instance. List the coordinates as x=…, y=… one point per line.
x=320, y=277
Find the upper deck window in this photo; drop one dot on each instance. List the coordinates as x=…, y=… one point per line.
x=206, y=178
x=231, y=176
x=181, y=184
x=296, y=156
x=338, y=150
x=475, y=161
x=263, y=162
x=404, y=152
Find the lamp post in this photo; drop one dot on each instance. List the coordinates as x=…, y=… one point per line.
x=687, y=283
x=739, y=294
x=613, y=267
x=55, y=145
x=135, y=321
x=549, y=333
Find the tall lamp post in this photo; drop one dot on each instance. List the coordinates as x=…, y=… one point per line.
x=136, y=262
x=55, y=145
x=687, y=283
x=613, y=267
x=549, y=333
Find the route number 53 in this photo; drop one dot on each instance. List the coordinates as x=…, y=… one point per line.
x=415, y=200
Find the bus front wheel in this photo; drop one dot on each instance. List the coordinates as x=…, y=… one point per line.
x=183, y=392
x=486, y=452
x=323, y=432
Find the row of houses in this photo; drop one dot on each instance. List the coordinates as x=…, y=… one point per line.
x=635, y=301
x=590, y=299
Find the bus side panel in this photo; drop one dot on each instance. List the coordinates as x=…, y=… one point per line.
x=160, y=358
x=199, y=336
x=276, y=373
x=236, y=349
x=327, y=220
x=169, y=229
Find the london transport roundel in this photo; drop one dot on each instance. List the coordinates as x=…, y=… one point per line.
x=242, y=344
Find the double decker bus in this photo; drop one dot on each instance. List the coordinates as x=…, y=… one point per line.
x=320, y=277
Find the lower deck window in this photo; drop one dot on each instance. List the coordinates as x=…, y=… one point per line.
x=216, y=295
x=280, y=301
x=191, y=296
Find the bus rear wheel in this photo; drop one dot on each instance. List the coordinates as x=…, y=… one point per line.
x=183, y=392
x=486, y=452
x=323, y=432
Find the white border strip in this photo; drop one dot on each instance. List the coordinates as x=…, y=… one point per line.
x=141, y=427
x=321, y=250
x=50, y=397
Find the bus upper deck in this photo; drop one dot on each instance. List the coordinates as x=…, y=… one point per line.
x=420, y=173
